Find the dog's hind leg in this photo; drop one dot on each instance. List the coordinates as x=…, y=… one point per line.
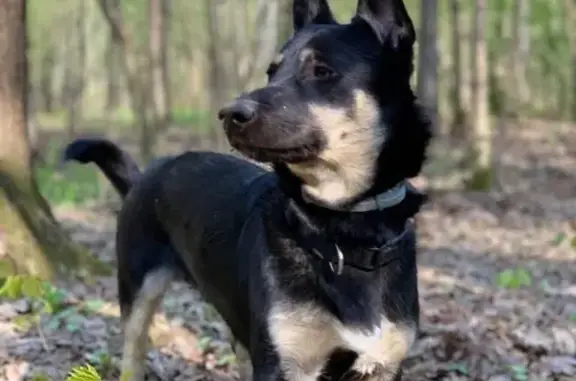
x=137, y=320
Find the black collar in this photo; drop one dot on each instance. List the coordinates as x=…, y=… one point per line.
x=332, y=259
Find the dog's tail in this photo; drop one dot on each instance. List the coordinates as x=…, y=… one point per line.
x=117, y=165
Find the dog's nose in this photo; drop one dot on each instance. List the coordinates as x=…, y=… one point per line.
x=241, y=111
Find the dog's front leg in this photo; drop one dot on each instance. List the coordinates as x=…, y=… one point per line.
x=270, y=366
x=382, y=361
x=266, y=367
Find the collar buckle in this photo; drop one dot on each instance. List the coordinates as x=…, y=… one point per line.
x=337, y=267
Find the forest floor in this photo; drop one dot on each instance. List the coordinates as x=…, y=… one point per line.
x=497, y=277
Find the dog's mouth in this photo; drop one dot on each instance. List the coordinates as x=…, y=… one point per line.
x=293, y=155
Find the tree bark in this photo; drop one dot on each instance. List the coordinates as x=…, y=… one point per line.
x=220, y=69
x=138, y=88
x=113, y=67
x=165, y=58
x=481, y=178
x=521, y=48
x=157, y=46
x=77, y=72
x=427, y=88
x=458, y=129
x=47, y=79
x=34, y=242
x=570, y=12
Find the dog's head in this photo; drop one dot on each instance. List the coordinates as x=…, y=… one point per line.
x=338, y=112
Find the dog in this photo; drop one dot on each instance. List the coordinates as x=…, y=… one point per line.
x=312, y=264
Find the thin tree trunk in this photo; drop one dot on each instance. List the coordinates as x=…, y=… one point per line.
x=156, y=49
x=482, y=140
x=165, y=58
x=47, y=79
x=113, y=88
x=34, y=242
x=521, y=48
x=138, y=89
x=78, y=73
x=219, y=69
x=570, y=12
x=428, y=58
x=458, y=130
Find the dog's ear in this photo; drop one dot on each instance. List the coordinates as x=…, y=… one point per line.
x=389, y=19
x=306, y=12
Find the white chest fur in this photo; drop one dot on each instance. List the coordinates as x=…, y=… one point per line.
x=305, y=335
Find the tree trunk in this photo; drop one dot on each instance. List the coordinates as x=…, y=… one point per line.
x=220, y=70
x=47, y=79
x=78, y=73
x=521, y=48
x=165, y=58
x=138, y=87
x=113, y=88
x=264, y=44
x=481, y=178
x=570, y=12
x=458, y=129
x=34, y=242
x=157, y=51
x=427, y=89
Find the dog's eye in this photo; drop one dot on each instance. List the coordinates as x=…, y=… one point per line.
x=322, y=71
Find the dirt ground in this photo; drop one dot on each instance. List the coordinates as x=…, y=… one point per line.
x=473, y=328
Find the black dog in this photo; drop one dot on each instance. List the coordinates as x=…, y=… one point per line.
x=313, y=265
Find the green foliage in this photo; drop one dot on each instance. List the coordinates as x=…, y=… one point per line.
x=558, y=239
x=48, y=300
x=52, y=298
x=562, y=237
x=458, y=367
x=518, y=372
x=84, y=373
x=39, y=377
x=514, y=278
x=75, y=184
x=18, y=286
x=102, y=361
x=51, y=301
x=480, y=180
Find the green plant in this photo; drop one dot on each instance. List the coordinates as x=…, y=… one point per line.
x=458, y=367
x=84, y=373
x=39, y=377
x=518, y=372
x=514, y=278
x=48, y=301
x=102, y=361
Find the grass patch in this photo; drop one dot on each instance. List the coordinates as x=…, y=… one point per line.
x=74, y=184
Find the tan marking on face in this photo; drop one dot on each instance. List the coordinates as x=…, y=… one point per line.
x=305, y=336
x=305, y=54
x=345, y=168
x=137, y=324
